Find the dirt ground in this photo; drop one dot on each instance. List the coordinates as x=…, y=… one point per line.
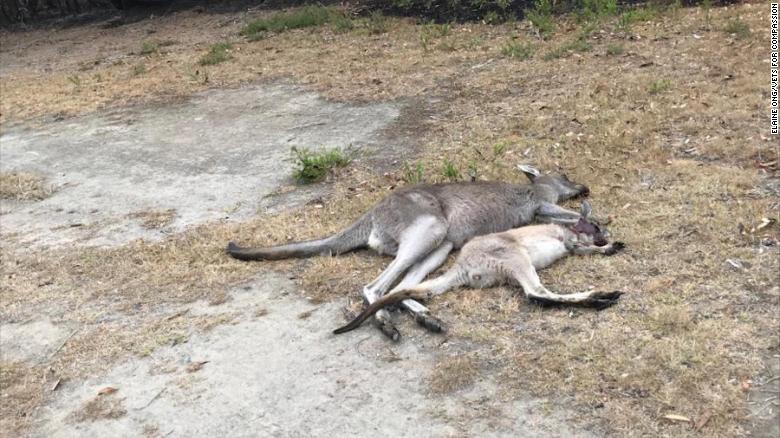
x=126, y=166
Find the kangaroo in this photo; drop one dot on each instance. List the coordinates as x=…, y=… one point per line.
x=421, y=224
x=513, y=257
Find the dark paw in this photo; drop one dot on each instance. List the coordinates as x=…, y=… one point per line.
x=615, y=248
x=388, y=329
x=431, y=323
x=602, y=300
x=544, y=302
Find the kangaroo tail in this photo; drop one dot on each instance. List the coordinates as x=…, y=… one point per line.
x=425, y=290
x=378, y=305
x=355, y=236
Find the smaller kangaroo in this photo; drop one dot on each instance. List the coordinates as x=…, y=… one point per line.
x=513, y=257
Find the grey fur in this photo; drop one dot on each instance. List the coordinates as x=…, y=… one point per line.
x=422, y=223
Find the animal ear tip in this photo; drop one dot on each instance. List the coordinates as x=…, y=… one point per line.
x=528, y=170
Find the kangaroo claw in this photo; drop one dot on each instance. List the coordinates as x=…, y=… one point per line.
x=431, y=323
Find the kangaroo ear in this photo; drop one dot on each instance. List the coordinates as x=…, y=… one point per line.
x=585, y=209
x=529, y=171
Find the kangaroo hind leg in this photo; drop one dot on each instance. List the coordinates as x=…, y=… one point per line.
x=416, y=241
x=521, y=270
x=415, y=276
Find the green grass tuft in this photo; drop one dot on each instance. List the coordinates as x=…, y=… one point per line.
x=413, y=174
x=308, y=16
x=565, y=50
x=218, y=52
x=590, y=10
x=149, y=47
x=615, y=50
x=542, y=22
x=377, y=23
x=433, y=31
x=659, y=86
x=738, y=28
x=312, y=166
x=449, y=171
x=637, y=15
x=541, y=17
x=342, y=23
x=499, y=148
x=520, y=51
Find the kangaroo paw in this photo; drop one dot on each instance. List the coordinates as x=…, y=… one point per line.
x=430, y=322
x=602, y=300
x=615, y=248
x=387, y=328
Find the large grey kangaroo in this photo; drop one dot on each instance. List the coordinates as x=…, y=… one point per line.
x=421, y=224
x=513, y=257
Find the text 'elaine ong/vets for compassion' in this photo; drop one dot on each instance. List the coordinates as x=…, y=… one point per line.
x=773, y=104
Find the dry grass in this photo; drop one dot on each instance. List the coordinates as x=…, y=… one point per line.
x=679, y=166
x=23, y=186
x=102, y=407
x=453, y=373
x=154, y=219
x=22, y=391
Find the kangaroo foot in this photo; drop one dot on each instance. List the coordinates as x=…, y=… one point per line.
x=602, y=300
x=384, y=324
x=615, y=248
x=430, y=322
x=597, y=300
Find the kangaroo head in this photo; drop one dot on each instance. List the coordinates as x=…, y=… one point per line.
x=555, y=187
x=589, y=232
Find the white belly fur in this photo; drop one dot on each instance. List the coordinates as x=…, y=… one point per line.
x=374, y=242
x=545, y=251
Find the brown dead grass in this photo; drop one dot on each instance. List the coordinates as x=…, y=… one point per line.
x=22, y=391
x=23, y=186
x=154, y=219
x=678, y=168
x=453, y=373
x=102, y=407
